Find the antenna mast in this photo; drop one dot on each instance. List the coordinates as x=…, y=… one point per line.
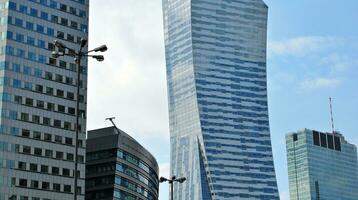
x=330, y=105
x=111, y=120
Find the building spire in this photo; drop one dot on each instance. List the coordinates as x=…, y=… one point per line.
x=332, y=122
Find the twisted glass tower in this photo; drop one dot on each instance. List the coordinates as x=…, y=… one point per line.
x=217, y=90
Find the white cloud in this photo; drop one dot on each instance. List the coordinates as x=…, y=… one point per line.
x=338, y=62
x=130, y=84
x=317, y=83
x=302, y=46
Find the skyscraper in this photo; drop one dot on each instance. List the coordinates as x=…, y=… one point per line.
x=217, y=90
x=321, y=166
x=38, y=99
x=118, y=167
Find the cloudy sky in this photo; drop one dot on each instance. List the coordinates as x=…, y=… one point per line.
x=312, y=55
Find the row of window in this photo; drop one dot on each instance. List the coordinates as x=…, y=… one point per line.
x=37, y=135
x=123, y=168
x=40, y=29
x=39, y=152
x=18, y=37
x=17, y=83
x=43, y=185
x=6, y=97
x=120, y=181
x=46, y=16
x=63, y=7
x=36, y=119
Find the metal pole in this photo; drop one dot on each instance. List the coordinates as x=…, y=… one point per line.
x=78, y=62
x=171, y=192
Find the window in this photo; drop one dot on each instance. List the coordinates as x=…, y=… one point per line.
x=56, y=187
x=58, y=139
x=29, y=101
x=54, y=18
x=33, y=12
x=59, y=155
x=37, y=135
x=22, y=165
x=58, y=78
x=40, y=28
x=64, y=21
x=40, y=104
x=70, y=95
x=67, y=188
x=45, y=185
x=63, y=64
x=23, y=9
x=69, y=80
x=38, y=151
x=68, y=141
x=48, y=153
x=74, y=24
x=57, y=123
x=60, y=34
x=55, y=170
x=65, y=172
x=61, y=108
x=18, y=22
x=24, y=116
x=59, y=93
x=51, y=47
x=39, y=88
x=67, y=125
x=44, y=169
x=20, y=37
x=63, y=7
x=30, y=26
x=49, y=91
x=23, y=182
x=41, y=44
x=330, y=141
x=16, y=83
x=70, y=156
x=52, y=61
x=73, y=10
x=44, y=15
x=34, y=184
x=50, y=106
x=323, y=140
x=36, y=119
x=50, y=32
x=30, y=40
x=46, y=121
x=18, y=99
x=337, y=143
x=25, y=133
x=47, y=137
x=28, y=86
x=26, y=149
x=33, y=167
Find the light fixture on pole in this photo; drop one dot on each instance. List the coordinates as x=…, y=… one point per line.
x=171, y=182
x=77, y=55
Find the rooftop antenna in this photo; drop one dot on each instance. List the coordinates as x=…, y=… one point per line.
x=111, y=120
x=330, y=105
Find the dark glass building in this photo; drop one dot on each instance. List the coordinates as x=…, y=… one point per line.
x=118, y=167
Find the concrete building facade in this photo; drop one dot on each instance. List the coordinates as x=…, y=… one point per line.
x=38, y=99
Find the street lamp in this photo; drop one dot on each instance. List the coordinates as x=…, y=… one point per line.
x=77, y=55
x=171, y=181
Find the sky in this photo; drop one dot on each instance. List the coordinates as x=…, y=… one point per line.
x=312, y=55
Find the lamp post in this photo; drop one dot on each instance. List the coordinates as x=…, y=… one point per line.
x=77, y=55
x=171, y=182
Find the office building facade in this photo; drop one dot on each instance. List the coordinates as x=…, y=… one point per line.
x=321, y=166
x=38, y=99
x=118, y=167
x=217, y=93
